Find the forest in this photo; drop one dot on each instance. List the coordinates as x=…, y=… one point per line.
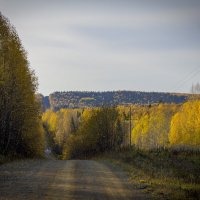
x=88, y=131
x=75, y=99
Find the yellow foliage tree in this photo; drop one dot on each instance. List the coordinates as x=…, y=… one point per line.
x=185, y=125
x=20, y=114
x=151, y=129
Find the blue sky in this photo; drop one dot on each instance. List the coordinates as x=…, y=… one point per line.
x=146, y=45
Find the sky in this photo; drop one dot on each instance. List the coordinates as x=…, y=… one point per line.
x=143, y=45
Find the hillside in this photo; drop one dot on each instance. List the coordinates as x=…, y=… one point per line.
x=76, y=99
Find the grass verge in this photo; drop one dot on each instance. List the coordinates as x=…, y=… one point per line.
x=5, y=159
x=166, y=174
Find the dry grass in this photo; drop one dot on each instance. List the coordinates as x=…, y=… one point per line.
x=166, y=174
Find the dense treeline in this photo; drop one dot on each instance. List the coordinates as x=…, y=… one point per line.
x=151, y=128
x=185, y=126
x=99, y=131
x=59, y=126
x=59, y=100
x=77, y=133
x=168, y=126
x=89, y=131
x=21, y=129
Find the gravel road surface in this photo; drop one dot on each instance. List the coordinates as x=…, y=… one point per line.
x=70, y=180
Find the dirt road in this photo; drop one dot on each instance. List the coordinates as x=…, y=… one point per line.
x=70, y=180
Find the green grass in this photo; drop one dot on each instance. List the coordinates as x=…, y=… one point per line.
x=166, y=174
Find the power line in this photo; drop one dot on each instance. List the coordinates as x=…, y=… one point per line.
x=189, y=74
x=187, y=78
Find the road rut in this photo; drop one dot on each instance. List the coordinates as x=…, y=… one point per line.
x=73, y=180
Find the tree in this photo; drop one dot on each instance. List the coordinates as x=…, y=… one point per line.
x=195, y=89
x=99, y=131
x=152, y=128
x=185, y=129
x=73, y=125
x=59, y=126
x=20, y=117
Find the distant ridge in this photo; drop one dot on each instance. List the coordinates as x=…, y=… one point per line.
x=82, y=99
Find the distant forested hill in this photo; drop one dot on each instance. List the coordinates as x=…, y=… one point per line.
x=75, y=99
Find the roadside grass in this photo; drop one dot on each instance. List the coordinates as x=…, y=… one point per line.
x=5, y=159
x=166, y=174
x=15, y=157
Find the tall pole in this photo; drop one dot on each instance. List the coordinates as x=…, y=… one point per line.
x=130, y=126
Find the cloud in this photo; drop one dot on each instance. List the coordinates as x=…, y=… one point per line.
x=105, y=45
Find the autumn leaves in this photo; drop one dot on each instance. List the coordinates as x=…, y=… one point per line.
x=21, y=129
x=164, y=126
